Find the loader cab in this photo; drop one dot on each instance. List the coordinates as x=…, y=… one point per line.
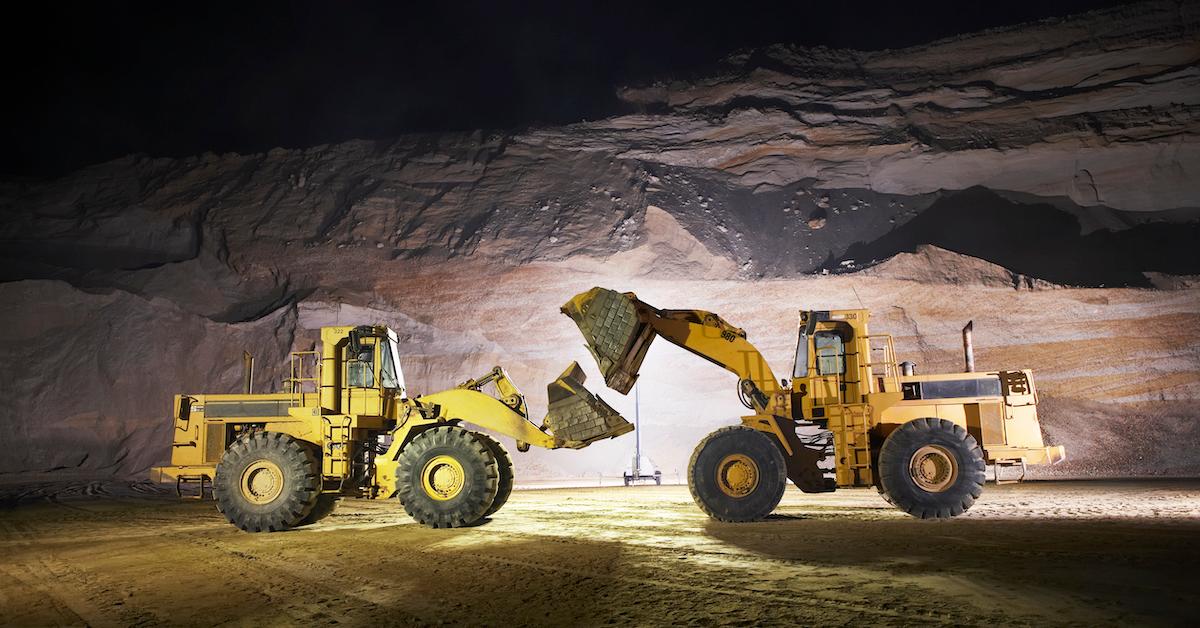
x=360, y=370
x=373, y=360
x=831, y=366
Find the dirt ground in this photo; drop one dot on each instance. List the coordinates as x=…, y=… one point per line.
x=1038, y=553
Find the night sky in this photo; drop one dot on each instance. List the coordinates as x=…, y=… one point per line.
x=100, y=80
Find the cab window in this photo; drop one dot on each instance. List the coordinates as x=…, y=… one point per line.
x=387, y=372
x=361, y=373
x=800, y=367
x=831, y=353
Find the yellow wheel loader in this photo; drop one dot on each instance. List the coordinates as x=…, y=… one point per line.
x=922, y=440
x=347, y=426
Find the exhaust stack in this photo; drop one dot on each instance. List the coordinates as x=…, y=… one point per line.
x=969, y=346
x=247, y=372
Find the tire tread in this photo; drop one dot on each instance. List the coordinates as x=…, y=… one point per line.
x=726, y=432
x=299, y=465
x=893, y=476
x=469, y=511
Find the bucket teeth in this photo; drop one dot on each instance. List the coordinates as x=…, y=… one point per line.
x=576, y=415
x=609, y=323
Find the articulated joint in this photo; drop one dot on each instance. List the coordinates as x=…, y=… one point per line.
x=751, y=396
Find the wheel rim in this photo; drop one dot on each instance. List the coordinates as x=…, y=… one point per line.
x=442, y=478
x=737, y=475
x=933, y=468
x=262, y=482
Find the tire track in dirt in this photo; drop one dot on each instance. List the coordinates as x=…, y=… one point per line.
x=596, y=557
x=856, y=612
x=654, y=560
x=482, y=562
x=713, y=567
x=291, y=583
x=65, y=611
x=285, y=587
x=84, y=595
x=878, y=591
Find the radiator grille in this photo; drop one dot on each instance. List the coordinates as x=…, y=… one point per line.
x=241, y=409
x=991, y=423
x=214, y=442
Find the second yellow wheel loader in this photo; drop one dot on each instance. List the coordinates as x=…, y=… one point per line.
x=347, y=426
x=922, y=440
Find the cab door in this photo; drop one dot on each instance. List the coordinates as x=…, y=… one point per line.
x=819, y=374
x=362, y=393
x=827, y=381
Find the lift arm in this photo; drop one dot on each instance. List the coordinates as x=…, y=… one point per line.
x=510, y=395
x=619, y=328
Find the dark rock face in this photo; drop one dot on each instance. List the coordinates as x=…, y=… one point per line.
x=1064, y=152
x=1078, y=108
x=91, y=375
x=1040, y=240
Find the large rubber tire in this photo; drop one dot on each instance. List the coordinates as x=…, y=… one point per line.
x=504, y=465
x=266, y=482
x=946, y=494
x=326, y=504
x=474, y=484
x=759, y=465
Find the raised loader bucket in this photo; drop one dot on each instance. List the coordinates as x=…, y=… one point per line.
x=578, y=416
x=615, y=335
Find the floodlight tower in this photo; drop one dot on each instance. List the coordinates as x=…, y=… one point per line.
x=637, y=431
x=637, y=473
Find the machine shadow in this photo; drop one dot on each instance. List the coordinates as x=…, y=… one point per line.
x=782, y=517
x=1135, y=565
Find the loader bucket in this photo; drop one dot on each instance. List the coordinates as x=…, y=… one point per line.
x=615, y=335
x=577, y=416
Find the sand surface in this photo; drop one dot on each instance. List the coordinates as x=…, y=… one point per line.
x=1047, y=553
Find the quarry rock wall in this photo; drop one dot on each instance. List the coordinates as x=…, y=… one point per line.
x=1040, y=179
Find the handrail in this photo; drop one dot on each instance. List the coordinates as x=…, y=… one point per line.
x=891, y=370
x=297, y=377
